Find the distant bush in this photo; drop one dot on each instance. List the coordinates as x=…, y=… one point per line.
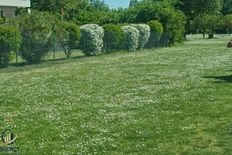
x=71, y=37
x=156, y=33
x=113, y=37
x=36, y=30
x=155, y=26
x=9, y=40
x=132, y=35
x=144, y=34
x=227, y=23
x=92, y=39
x=176, y=27
x=1, y=20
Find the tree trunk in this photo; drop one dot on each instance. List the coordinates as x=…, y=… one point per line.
x=211, y=36
x=204, y=35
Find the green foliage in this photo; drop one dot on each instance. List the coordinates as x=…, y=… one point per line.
x=9, y=40
x=199, y=23
x=128, y=15
x=176, y=27
x=207, y=23
x=90, y=16
x=173, y=21
x=72, y=37
x=96, y=11
x=156, y=33
x=58, y=5
x=212, y=7
x=156, y=26
x=212, y=22
x=113, y=37
x=194, y=10
x=227, y=21
x=1, y=20
x=36, y=31
x=227, y=7
x=66, y=35
x=96, y=15
x=46, y=5
x=148, y=11
x=98, y=4
x=133, y=3
x=81, y=11
x=144, y=12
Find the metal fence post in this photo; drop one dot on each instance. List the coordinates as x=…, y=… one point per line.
x=53, y=47
x=16, y=52
x=17, y=61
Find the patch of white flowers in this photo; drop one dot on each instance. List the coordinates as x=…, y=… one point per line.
x=132, y=34
x=144, y=34
x=92, y=39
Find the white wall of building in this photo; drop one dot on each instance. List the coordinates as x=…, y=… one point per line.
x=8, y=7
x=15, y=3
x=7, y=11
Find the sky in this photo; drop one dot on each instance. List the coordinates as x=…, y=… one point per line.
x=117, y=3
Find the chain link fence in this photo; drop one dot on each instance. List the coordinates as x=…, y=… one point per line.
x=59, y=50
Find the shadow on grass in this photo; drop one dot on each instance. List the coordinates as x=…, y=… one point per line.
x=57, y=59
x=221, y=79
x=21, y=64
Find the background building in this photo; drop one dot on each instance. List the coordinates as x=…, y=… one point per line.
x=8, y=7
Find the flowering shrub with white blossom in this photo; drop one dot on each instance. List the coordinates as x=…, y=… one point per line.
x=92, y=39
x=132, y=35
x=144, y=34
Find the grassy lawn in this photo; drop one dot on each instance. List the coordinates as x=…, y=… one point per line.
x=162, y=101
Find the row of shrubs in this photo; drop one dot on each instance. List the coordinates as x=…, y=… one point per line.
x=34, y=35
x=95, y=38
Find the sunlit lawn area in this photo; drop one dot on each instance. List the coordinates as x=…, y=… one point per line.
x=161, y=101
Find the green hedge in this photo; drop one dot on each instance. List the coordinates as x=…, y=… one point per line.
x=36, y=31
x=9, y=41
x=71, y=38
x=156, y=33
x=176, y=27
x=114, y=38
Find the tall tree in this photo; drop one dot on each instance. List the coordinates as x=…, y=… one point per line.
x=99, y=5
x=133, y=3
x=207, y=7
x=227, y=7
x=197, y=7
x=57, y=5
x=198, y=10
x=227, y=21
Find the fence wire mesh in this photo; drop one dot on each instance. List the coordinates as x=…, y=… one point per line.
x=58, y=50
